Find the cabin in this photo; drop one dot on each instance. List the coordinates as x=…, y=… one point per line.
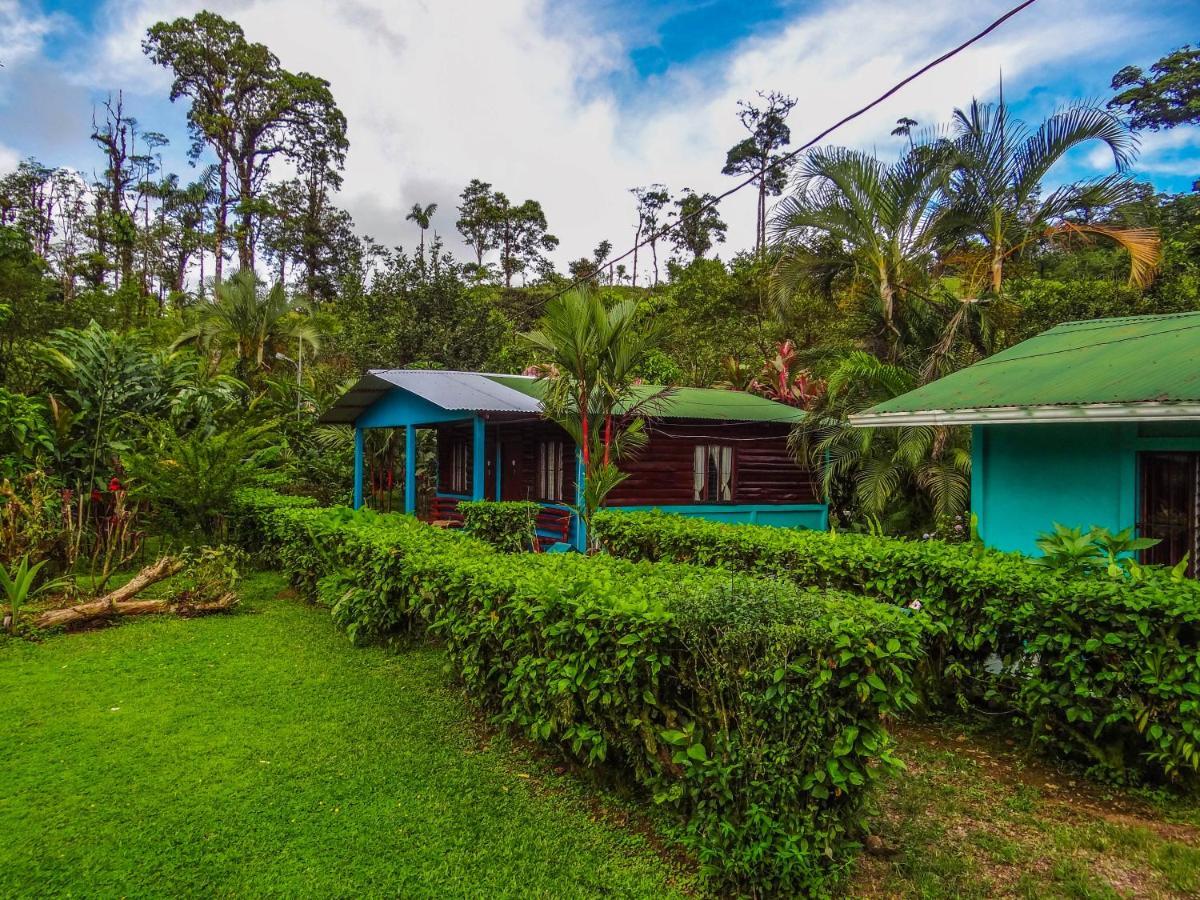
x=1089, y=423
x=716, y=454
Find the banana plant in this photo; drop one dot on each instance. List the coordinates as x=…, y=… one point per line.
x=17, y=586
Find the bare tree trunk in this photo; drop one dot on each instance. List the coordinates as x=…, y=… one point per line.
x=637, y=239
x=106, y=605
x=219, y=223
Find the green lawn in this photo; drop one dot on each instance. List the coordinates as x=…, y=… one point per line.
x=261, y=754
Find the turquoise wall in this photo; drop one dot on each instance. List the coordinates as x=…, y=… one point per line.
x=1024, y=478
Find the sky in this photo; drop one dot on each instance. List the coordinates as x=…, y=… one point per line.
x=574, y=102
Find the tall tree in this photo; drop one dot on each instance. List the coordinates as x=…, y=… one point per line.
x=697, y=223
x=477, y=218
x=1168, y=96
x=755, y=155
x=904, y=128
x=522, y=236
x=422, y=215
x=600, y=254
x=247, y=108
x=116, y=136
x=651, y=201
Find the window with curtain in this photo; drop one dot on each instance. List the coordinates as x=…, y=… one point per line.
x=459, y=481
x=550, y=456
x=712, y=473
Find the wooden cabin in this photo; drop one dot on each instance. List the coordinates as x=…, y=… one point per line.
x=720, y=455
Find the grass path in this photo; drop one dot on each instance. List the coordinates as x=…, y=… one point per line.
x=259, y=754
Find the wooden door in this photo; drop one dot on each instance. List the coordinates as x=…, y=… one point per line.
x=514, y=484
x=1170, y=507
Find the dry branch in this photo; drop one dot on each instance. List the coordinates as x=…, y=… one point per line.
x=121, y=603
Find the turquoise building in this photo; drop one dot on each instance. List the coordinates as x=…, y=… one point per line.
x=1089, y=423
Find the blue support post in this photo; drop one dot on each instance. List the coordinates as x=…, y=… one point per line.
x=358, y=468
x=410, y=469
x=581, y=538
x=478, y=463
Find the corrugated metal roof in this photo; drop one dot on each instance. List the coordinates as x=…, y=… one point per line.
x=460, y=390
x=1128, y=360
x=482, y=392
x=689, y=402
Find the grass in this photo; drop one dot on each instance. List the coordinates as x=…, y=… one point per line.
x=973, y=818
x=261, y=754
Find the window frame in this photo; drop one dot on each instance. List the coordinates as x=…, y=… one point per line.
x=458, y=480
x=700, y=478
x=550, y=483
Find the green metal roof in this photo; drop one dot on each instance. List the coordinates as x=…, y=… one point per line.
x=1135, y=360
x=687, y=402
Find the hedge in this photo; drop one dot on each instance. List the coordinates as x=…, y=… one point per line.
x=1103, y=670
x=755, y=710
x=509, y=525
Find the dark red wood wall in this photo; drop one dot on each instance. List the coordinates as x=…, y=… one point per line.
x=764, y=470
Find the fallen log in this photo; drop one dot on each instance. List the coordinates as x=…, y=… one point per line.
x=109, y=604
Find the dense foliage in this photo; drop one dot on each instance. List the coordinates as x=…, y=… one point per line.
x=753, y=708
x=1103, y=669
x=509, y=525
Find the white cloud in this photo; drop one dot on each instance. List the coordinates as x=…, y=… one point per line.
x=440, y=91
x=23, y=32
x=8, y=158
x=1163, y=153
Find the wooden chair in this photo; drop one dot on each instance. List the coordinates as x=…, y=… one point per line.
x=553, y=526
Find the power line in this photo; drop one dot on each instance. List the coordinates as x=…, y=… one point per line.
x=788, y=157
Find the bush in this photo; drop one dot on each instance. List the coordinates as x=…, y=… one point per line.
x=509, y=525
x=1103, y=670
x=754, y=709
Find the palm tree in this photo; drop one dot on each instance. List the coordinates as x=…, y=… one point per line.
x=258, y=325
x=996, y=192
x=863, y=222
x=915, y=472
x=422, y=215
x=590, y=354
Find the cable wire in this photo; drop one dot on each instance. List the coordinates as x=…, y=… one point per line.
x=788, y=157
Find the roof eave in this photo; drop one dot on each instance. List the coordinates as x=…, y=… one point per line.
x=1017, y=415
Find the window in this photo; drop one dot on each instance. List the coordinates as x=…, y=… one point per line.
x=550, y=470
x=712, y=473
x=1171, y=508
x=459, y=481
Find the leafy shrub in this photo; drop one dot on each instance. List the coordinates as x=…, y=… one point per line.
x=508, y=525
x=190, y=481
x=754, y=709
x=1104, y=670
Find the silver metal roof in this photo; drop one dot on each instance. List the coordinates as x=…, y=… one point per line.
x=468, y=391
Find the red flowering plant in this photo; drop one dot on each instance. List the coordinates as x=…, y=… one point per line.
x=784, y=380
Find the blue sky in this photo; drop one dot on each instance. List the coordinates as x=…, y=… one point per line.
x=575, y=101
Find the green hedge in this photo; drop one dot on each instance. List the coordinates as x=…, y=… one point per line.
x=1106, y=671
x=756, y=710
x=508, y=525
